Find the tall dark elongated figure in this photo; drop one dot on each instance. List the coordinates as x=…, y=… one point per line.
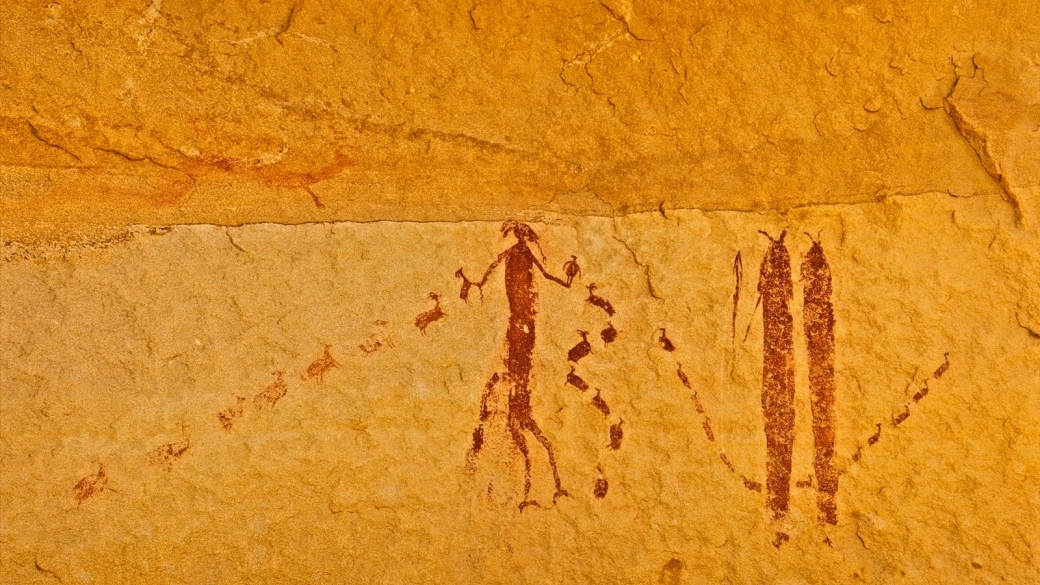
x=819, y=333
x=775, y=288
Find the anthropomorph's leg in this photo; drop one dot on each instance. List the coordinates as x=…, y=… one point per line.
x=537, y=432
x=517, y=432
x=520, y=348
x=484, y=413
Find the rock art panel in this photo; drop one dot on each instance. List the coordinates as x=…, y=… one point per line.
x=334, y=291
x=314, y=402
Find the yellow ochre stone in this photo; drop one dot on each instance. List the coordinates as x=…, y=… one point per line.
x=508, y=292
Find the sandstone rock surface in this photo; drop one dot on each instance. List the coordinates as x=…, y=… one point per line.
x=782, y=322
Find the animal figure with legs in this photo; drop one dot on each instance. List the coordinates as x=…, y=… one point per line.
x=520, y=264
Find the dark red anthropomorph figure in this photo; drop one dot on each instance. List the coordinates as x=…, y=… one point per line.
x=520, y=264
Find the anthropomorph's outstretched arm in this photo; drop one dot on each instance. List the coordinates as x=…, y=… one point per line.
x=571, y=269
x=467, y=283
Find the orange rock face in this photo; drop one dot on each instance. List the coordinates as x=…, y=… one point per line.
x=613, y=291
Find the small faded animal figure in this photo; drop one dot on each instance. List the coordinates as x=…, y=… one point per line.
x=521, y=265
x=435, y=314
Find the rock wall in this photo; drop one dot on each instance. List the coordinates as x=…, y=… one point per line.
x=608, y=292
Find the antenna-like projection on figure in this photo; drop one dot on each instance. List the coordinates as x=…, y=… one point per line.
x=520, y=264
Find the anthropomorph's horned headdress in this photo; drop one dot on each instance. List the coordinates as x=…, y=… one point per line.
x=522, y=231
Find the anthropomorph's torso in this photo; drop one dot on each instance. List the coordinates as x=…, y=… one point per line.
x=520, y=335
